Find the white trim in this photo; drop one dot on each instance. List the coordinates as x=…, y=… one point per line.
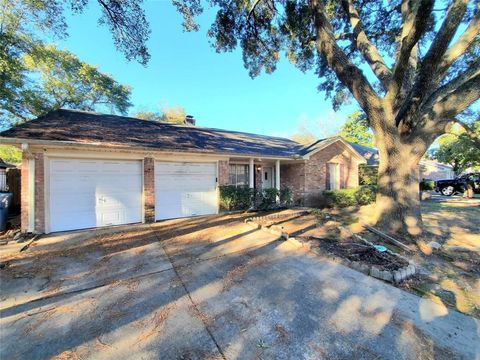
x=127, y=155
x=277, y=175
x=331, y=141
x=251, y=173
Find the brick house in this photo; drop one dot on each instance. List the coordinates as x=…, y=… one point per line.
x=82, y=170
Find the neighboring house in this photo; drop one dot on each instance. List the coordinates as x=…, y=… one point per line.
x=428, y=169
x=433, y=170
x=3, y=174
x=83, y=170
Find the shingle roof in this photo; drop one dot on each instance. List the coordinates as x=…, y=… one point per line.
x=370, y=154
x=86, y=128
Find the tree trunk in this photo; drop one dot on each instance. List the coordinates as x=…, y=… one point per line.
x=398, y=203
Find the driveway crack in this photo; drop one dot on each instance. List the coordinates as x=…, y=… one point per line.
x=194, y=305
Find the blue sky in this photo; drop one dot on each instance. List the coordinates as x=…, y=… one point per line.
x=185, y=70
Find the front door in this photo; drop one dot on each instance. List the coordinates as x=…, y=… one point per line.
x=267, y=178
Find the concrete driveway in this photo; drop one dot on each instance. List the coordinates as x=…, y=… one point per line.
x=210, y=288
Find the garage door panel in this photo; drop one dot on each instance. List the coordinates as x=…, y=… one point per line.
x=185, y=189
x=88, y=193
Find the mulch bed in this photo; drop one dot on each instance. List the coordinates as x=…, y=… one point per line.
x=356, y=251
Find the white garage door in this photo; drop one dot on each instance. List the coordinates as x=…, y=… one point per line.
x=185, y=189
x=91, y=193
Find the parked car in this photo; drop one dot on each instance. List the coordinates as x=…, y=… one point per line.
x=458, y=185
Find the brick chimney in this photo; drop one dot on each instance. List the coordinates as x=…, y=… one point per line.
x=190, y=120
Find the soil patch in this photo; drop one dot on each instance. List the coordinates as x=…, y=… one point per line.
x=356, y=251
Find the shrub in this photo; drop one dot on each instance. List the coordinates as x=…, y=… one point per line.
x=269, y=199
x=366, y=194
x=340, y=198
x=286, y=198
x=350, y=197
x=242, y=198
x=235, y=197
x=367, y=175
x=427, y=184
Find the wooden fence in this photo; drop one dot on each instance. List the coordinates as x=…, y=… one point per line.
x=13, y=183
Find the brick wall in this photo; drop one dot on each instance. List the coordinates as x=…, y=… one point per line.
x=223, y=166
x=316, y=171
x=292, y=176
x=24, y=195
x=39, y=193
x=149, y=189
x=308, y=180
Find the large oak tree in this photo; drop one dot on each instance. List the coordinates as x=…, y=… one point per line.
x=413, y=66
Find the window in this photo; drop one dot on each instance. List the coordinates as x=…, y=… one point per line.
x=238, y=175
x=334, y=170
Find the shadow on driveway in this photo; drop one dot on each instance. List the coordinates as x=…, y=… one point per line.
x=208, y=288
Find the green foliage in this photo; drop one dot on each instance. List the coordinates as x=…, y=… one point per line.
x=242, y=198
x=10, y=154
x=356, y=130
x=66, y=81
x=340, y=198
x=366, y=194
x=427, y=184
x=367, y=175
x=350, y=197
x=286, y=198
x=171, y=115
x=269, y=199
x=459, y=150
x=37, y=78
x=236, y=197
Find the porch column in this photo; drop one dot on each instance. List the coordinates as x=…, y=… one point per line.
x=251, y=173
x=277, y=178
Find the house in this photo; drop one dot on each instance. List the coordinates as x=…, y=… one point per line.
x=433, y=170
x=83, y=170
x=3, y=174
x=428, y=169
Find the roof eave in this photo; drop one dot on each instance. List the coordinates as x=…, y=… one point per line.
x=133, y=147
x=331, y=141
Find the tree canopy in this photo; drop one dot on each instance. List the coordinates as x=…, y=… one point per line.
x=459, y=149
x=37, y=77
x=413, y=66
x=172, y=115
x=355, y=130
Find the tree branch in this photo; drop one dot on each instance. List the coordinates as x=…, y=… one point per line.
x=365, y=46
x=428, y=75
x=414, y=25
x=441, y=92
x=461, y=45
x=349, y=74
x=447, y=108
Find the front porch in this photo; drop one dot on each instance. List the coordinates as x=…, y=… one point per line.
x=259, y=174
